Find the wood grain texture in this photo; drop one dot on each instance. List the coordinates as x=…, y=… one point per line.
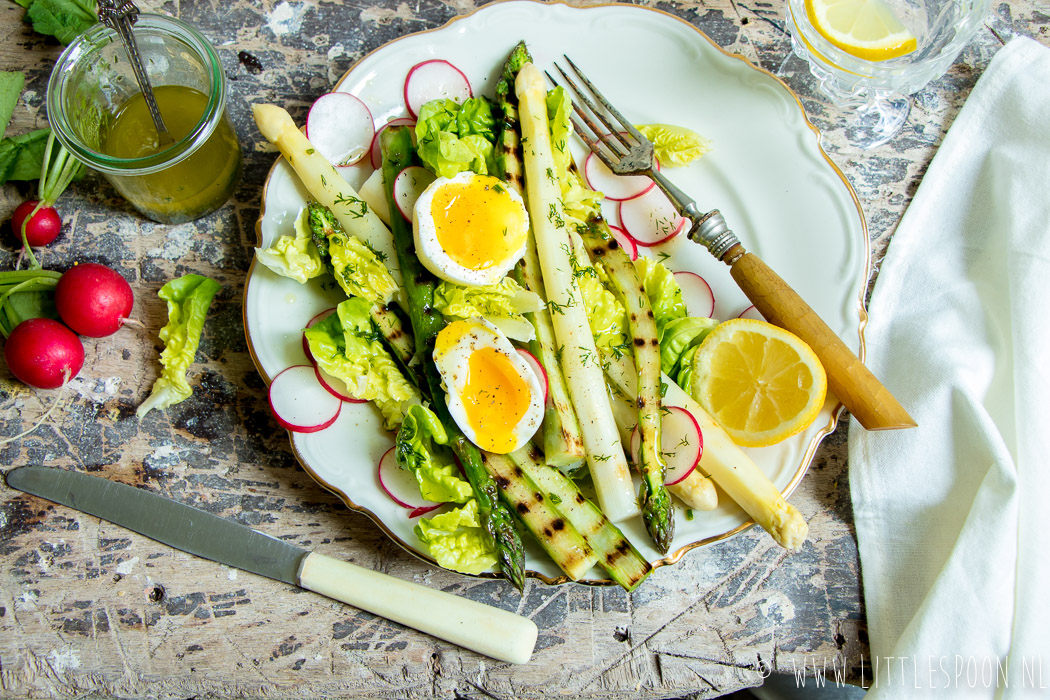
x=849, y=380
x=89, y=609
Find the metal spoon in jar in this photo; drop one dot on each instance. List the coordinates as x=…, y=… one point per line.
x=120, y=17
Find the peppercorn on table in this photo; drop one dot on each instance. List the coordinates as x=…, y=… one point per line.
x=87, y=608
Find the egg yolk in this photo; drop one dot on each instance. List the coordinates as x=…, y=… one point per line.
x=495, y=398
x=477, y=223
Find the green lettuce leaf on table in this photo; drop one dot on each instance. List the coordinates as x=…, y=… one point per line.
x=189, y=297
x=503, y=305
x=62, y=19
x=11, y=84
x=457, y=540
x=294, y=256
x=452, y=138
x=347, y=346
x=418, y=449
x=20, y=156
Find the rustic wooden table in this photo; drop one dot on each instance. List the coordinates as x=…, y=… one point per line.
x=89, y=609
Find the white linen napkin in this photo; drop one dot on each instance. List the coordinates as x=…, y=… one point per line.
x=953, y=517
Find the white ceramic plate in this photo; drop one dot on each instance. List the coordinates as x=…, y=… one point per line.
x=766, y=173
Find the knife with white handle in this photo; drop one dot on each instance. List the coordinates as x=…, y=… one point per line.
x=490, y=631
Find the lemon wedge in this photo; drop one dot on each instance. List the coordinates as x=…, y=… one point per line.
x=866, y=29
x=761, y=383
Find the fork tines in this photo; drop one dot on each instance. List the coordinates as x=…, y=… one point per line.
x=612, y=154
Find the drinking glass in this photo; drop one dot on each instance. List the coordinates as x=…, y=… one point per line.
x=878, y=92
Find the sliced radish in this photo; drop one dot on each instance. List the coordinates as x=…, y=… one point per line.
x=422, y=511
x=538, y=368
x=377, y=151
x=651, y=219
x=336, y=386
x=401, y=485
x=615, y=187
x=752, y=312
x=681, y=444
x=408, y=185
x=432, y=80
x=300, y=403
x=696, y=293
x=310, y=324
x=340, y=127
x=625, y=241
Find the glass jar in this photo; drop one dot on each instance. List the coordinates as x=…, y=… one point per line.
x=97, y=111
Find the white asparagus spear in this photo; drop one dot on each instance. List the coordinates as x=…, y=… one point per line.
x=731, y=468
x=579, y=357
x=325, y=184
x=696, y=491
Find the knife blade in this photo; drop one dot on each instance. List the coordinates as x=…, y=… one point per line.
x=487, y=630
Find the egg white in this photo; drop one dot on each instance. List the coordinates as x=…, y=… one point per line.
x=434, y=256
x=452, y=361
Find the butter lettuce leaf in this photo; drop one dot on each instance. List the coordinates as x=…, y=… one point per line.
x=578, y=201
x=679, y=336
x=683, y=376
x=606, y=314
x=189, y=297
x=457, y=541
x=665, y=296
x=675, y=145
x=503, y=304
x=452, y=138
x=294, y=256
x=559, y=118
x=418, y=449
x=359, y=270
x=348, y=347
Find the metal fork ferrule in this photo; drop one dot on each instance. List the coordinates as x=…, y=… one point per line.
x=713, y=233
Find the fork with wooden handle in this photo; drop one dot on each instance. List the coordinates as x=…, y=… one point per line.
x=627, y=152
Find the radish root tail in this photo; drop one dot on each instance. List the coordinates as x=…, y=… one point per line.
x=133, y=323
x=47, y=414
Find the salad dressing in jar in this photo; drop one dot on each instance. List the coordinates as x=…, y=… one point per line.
x=190, y=188
x=97, y=111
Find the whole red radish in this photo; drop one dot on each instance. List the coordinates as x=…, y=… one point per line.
x=43, y=353
x=93, y=299
x=41, y=229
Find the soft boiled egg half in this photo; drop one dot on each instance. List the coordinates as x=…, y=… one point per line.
x=493, y=395
x=470, y=229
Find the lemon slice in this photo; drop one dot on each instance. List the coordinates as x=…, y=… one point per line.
x=866, y=29
x=758, y=381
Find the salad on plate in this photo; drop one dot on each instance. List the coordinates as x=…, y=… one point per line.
x=503, y=313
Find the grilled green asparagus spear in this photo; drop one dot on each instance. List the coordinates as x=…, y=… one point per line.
x=657, y=510
x=616, y=554
x=562, y=442
x=557, y=534
x=396, y=144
